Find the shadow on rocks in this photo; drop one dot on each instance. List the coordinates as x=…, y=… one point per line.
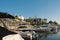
x=5, y=32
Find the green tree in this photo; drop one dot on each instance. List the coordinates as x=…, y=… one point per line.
x=50, y=21
x=55, y=23
x=28, y=20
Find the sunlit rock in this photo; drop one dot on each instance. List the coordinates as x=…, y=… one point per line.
x=13, y=37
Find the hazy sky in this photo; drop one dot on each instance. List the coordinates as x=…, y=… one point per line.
x=49, y=9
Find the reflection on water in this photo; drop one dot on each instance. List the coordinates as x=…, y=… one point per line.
x=47, y=36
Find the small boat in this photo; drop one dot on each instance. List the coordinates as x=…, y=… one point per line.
x=54, y=29
x=48, y=28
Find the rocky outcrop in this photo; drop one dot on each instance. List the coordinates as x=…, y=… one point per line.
x=4, y=32
x=6, y=15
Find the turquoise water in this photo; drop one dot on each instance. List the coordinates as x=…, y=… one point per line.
x=50, y=37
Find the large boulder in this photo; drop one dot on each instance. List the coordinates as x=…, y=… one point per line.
x=13, y=37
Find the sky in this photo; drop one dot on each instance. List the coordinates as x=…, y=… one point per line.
x=49, y=9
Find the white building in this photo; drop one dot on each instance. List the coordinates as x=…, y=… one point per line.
x=21, y=18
